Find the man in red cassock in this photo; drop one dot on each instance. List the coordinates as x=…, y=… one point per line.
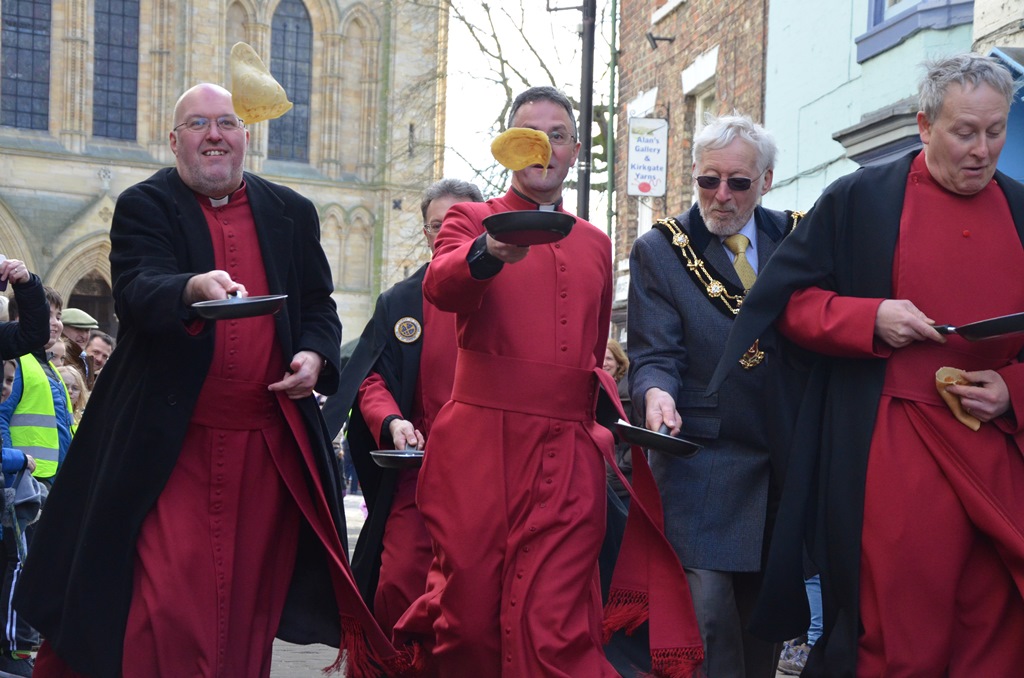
x=512, y=489
x=915, y=519
x=197, y=514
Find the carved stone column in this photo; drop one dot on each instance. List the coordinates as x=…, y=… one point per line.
x=158, y=70
x=76, y=93
x=329, y=117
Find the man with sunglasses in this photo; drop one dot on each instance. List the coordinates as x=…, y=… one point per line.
x=170, y=545
x=686, y=285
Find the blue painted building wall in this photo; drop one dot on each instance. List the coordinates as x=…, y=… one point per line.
x=1012, y=160
x=816, y=86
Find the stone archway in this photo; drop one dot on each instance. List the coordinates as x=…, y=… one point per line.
x=82, y=277
x=92, y=294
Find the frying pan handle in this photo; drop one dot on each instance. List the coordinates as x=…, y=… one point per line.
x=945, y=329
x=664, y=430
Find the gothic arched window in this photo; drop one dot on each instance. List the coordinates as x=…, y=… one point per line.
x=116, y=64
x=26, y=64
x=291, y=62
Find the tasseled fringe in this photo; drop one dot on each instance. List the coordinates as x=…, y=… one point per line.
x=336, y=666
x=354, y=653
x=411, y=660
x=359, y=661
x=339, y=661
x=680, y=662
x=625, y=610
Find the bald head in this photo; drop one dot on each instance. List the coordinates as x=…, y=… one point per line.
x=191, y=92
x=208, y=141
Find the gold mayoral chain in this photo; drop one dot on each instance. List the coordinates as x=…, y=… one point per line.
x=713, y=287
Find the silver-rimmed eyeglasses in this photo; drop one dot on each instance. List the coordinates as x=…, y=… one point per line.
x=432, y=227
x=225, y=123
x=560, y=138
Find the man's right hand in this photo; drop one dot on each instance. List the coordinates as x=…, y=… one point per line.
x=510, y=254
x=405, y=435
x=210, y=287
x=661, y=409
x=899, y=323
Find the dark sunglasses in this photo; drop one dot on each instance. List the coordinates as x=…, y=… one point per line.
x=734, y=183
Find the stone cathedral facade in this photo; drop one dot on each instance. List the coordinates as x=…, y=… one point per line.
x=88, y=88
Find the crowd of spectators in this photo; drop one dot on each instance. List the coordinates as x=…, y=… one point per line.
x=49, y=368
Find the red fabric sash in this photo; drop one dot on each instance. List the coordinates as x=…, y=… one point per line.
x=234, y=405
x=527, y=386
x=649, y=583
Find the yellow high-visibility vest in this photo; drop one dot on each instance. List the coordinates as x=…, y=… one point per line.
x=34, y=421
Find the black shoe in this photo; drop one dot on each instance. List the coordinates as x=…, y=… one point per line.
x=16, y=665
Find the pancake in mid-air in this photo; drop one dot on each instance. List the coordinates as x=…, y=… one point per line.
x=519, y=147
x=256, y=95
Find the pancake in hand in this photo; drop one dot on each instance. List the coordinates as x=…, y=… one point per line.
x=257, y=96
x=519, y=147
x=947, y=376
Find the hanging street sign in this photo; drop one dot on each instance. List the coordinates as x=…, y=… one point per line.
x=647, y=157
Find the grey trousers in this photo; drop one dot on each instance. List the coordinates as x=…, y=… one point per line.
x=723, y=601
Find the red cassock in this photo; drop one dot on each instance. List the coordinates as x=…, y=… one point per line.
x=216, y=552
x=513, y=483
x=407, y=552
x=942, y=560
x=241, y=437
x=512, y=486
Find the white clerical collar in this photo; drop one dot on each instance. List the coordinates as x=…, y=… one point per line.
x=543, y=208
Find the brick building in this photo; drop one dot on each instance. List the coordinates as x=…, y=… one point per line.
x=677, y=60
x=88, y=87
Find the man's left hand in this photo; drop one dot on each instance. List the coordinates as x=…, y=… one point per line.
x=510, y=254
x=299, y=382
x=986, y=398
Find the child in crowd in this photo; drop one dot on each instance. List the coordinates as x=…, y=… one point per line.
x=36, y=420
x=21, y=335
x=10, y=367
x=77, y=392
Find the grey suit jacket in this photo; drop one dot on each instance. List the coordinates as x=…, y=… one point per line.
x=716, y=503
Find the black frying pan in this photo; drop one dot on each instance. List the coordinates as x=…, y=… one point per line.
x=660, y=440
x=411, y=458
x=986, y=329
x=529, y=227
x=239, y=307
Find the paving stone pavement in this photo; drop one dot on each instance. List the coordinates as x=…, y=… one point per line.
x=307, y=661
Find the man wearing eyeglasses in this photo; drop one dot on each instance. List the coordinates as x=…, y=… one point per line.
x=686, y=286
x=202, y=468
x=512, y=488
x=396, y=381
